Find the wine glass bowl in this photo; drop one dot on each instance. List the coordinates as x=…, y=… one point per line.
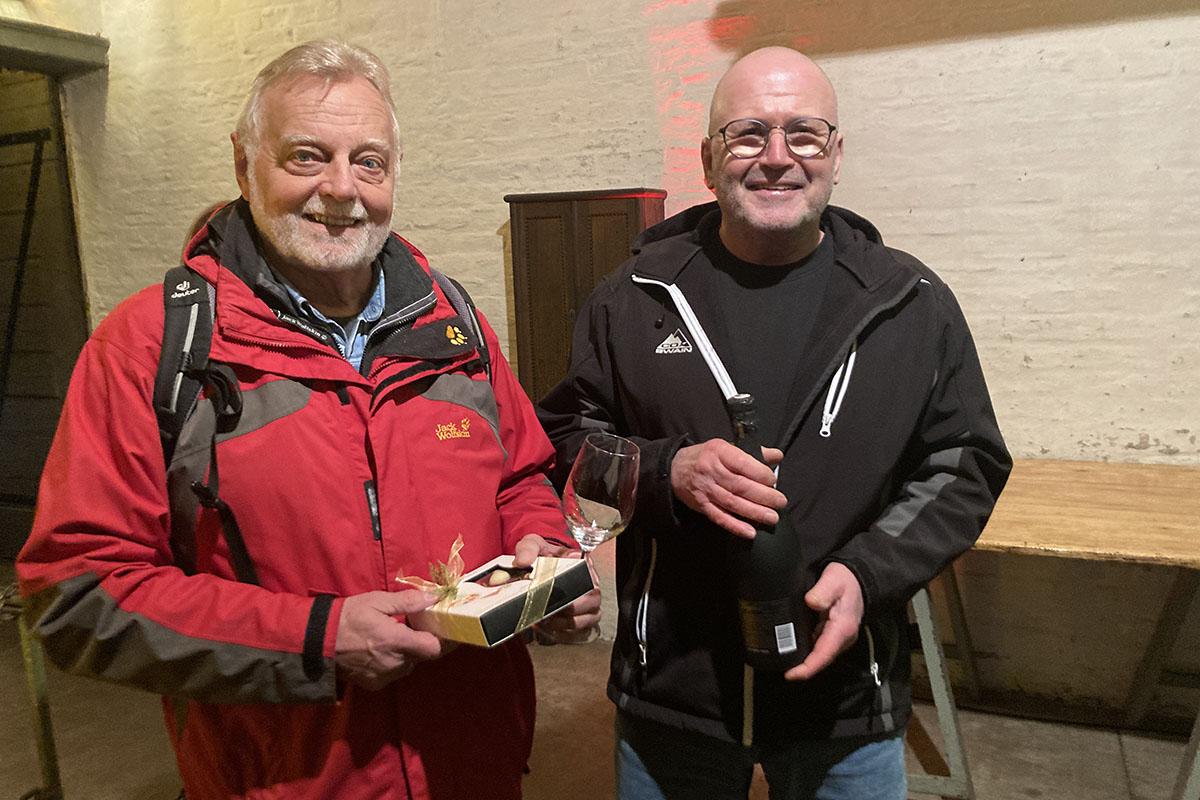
x=599, y=496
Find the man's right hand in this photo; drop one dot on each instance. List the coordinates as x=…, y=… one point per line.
x=373, y=648
x=729, y=487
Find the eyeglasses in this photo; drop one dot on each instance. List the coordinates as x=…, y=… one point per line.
x=806, y=137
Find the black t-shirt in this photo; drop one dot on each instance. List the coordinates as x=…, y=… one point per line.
x=767, y=313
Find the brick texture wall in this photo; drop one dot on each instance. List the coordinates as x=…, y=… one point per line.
x=1048, y=174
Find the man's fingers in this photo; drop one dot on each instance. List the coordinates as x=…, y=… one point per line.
x=419, y=645
x=728, y=486
x=773, y=456
x=818, y=599
x=835, y=636
x=532, y=545
x=528, y=549
x=737, y=514
x=737, y=462
x=824, y=650
x=818, y=658
x=406, y=602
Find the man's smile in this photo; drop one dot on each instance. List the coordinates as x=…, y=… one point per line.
x=332, y=221
x=773, y=188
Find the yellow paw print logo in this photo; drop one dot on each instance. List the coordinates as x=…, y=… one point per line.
x=455, y=335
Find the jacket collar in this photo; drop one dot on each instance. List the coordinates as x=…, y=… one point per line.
x=670, y=245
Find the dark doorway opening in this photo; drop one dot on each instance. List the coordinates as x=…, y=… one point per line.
x=43, y=322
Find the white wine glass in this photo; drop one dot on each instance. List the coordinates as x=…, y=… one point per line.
x=600, y=493
x=598, y=503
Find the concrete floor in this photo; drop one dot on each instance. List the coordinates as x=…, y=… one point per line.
x=112, y=745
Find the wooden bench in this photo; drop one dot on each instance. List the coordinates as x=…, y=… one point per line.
x=1131, y=513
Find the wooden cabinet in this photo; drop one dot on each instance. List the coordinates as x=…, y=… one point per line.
x=562, y=245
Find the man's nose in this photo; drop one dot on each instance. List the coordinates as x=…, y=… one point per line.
x=776, y=153
x=338, y=180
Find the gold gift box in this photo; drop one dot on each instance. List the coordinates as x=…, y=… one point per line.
x=497, y=601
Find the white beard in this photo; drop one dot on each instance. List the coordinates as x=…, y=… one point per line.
x=298, y=241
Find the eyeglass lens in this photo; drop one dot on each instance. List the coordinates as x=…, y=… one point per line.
x=805, y=137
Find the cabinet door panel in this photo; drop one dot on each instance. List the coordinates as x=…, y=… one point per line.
x=563, y=244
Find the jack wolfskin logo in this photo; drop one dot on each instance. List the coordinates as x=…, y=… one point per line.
x=675, y=343
x=184, y=289
x=455, y=335
x=454, y=430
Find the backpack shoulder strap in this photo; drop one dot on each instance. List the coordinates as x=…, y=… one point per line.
x=187, y=336
x=183, y=372
x=463, y=304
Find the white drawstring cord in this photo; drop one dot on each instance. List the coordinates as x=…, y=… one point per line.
x=640, y=621
x=837, y=392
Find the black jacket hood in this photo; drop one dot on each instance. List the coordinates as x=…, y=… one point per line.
x=663, y=250
x=693, y=219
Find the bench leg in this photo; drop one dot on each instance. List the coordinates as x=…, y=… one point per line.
x=1170, y=621
x=1187, y=787
x=962, y=635
x=958, y=784
x=35, y=676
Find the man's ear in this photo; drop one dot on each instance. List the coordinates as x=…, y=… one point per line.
x=706, y=161
x=241, y=165
x=838, y=150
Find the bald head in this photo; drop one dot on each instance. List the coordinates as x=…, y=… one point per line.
x=772, y=75
x=772, y=200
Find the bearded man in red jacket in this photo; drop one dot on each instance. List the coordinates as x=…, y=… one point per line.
x=280, y=642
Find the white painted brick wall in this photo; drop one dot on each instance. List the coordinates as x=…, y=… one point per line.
x=1050, y=176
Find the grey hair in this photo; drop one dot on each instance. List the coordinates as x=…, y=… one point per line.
x=332, y=60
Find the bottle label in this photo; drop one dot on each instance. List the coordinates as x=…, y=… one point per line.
x=785, y=638
x=768, y=627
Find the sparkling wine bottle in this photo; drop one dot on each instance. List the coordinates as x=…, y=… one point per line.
x=769, y=572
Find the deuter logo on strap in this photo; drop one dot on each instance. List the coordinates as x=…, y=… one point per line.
x=184, y=289
x=675, y=343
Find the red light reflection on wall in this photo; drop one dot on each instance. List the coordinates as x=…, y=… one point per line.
x=685, y=66
x=687, y=60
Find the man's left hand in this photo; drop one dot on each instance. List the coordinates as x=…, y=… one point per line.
x=580, y=615
x=837, y=598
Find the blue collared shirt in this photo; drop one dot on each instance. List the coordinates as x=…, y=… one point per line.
x=351, y=338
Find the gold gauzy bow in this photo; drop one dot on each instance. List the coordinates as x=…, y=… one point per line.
x=446, y=575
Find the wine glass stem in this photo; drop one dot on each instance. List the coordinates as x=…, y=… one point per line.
x=593, y=631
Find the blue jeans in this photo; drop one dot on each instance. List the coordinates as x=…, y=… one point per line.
x=660, y=762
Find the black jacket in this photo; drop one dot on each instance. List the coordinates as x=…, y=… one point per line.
x=896, y=486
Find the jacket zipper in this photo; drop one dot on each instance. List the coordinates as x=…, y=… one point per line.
x=837, y=392
x=874, y=664
x=846, y=365
x=883, y=690
x=643, y=603
x=398, y=320
x=305, y=350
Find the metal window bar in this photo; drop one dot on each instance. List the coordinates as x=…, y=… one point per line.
x=38, y=139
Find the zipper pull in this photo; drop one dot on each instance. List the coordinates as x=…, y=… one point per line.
x=642, y=650
x=871, y=657
x=826, y=424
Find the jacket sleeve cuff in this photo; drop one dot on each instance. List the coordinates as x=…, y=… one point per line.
x=865, y=583
x=659, y=501
x=320, y=634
